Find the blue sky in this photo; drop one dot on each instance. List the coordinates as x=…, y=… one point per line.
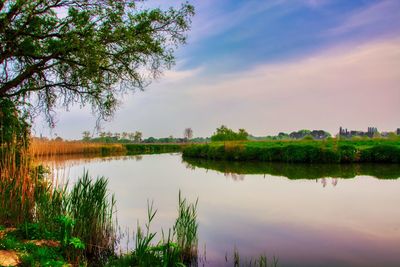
x=269, y=66
x=251, y=32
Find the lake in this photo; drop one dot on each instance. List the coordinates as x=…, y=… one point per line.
x=304, y=215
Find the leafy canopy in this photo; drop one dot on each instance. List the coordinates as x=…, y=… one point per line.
x=56, y=53
x=223, y=133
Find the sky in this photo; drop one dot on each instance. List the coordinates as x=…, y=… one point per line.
x=267, y=66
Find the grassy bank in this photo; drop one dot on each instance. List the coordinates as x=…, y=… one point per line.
x=133, y=149
x=304, y=151
x=79, y=221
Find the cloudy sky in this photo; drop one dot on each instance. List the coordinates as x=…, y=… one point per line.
x=268, y=66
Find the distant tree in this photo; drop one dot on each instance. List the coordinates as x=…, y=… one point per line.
x=117, y=136
x=102, y=134
x=188, y=134
x=282, y=135
x=242, y=134
x=223, y=133
x=124, y=135
x=150, y=140
x=85, y=135
x=131, y=136
x=138, y=137
x=109, y=134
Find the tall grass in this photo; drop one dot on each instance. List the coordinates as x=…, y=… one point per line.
x=260, y=261
x=185, y=230
x=18, y=181
x=176, y=248
x=46, y=148
x=92, y=210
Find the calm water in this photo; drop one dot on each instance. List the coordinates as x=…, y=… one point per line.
x=318, y=221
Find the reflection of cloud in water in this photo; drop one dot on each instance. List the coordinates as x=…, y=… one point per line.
x=59, y=166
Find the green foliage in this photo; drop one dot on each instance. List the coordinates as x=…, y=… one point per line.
x=304, y=151
x=76, y=243
x=185, y=230
x=223, y=133
x=91, y=55
x=14, y=126
x=90, y=218
x=31, y=254
x=177, y=249
x=133, y=149
x=381, y=153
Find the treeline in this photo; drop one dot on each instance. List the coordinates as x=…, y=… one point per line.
x=301, y=134
x=137, y=137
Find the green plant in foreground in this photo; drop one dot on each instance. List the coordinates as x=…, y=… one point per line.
x=261, y=261
x=92, y=212
x=165, y=253
x=177, y=248
x=185, y=229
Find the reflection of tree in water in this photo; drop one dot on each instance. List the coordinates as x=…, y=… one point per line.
x=234, y=176
x=300, y=171
x=189, y=166
x=324, y=181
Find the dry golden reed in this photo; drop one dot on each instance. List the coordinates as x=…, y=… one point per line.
x=45, y=148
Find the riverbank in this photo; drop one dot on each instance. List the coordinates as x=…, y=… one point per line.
x=303, y=151
x=48, y=148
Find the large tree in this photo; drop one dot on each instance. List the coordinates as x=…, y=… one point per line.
x=88, y=52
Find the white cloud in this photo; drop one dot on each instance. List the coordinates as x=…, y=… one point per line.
x=357, y=88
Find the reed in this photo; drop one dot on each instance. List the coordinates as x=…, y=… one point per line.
x=18, y=181
x=46, y=148
x=185, y=230
x=260, y=261
x=92, y=210
x=176, y=248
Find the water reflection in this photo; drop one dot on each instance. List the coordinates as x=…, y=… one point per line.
x=65, y=161
x=326, y=181
x=311, y=218
x=238, y=170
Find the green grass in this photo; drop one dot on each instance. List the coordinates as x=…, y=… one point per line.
x=303, y=151
x=176, y=248
x=31, y=254
x=185, y=230
x=90, y=211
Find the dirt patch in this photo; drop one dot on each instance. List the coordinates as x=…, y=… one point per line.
x=47, y=243
x=4, y=232
x=9, y=258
